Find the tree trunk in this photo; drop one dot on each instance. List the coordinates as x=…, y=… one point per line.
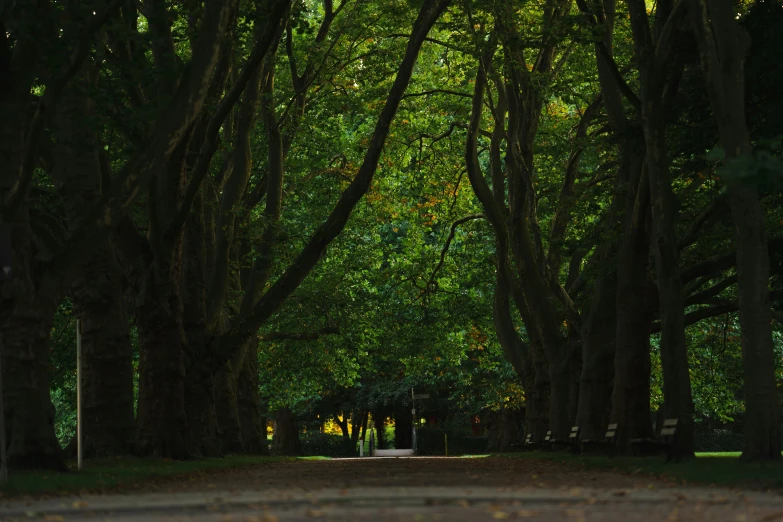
x=26, y=318
x=656, y=85
x=250, y=407
x=357, y=421
x=537, y=393
x=107, y=368
x=723, y=45
x=29, y=413
x=228, y=413
x=380, y=430
x=162, y=422
x=631, y=394
x=403, y=428
x=502, y=431
x=598, y=352
x=286, y=437
x=343, y=424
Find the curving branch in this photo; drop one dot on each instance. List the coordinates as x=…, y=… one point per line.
x=431, y=283
x=46, y=106
x=316, y=246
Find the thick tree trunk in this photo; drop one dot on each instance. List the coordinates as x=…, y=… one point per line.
x=286, y=437
x=162, y=422
x=380, y=430
x=200, y=384
x=635, y=305
x=723, y=45
x=762, y=411
x=658, y=83
x=503, y=430
x=228, y=413
x=107, y=370
x=403, y=428
x=250, y=406
x=537, y=393
x=29, y=413
x=598, y=352
x=26, y=318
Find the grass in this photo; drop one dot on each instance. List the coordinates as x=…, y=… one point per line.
x=723, y=469
x=105, y=474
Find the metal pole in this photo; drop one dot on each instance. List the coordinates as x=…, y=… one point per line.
x=446, y=442
x=3, y=460
x=79, y=394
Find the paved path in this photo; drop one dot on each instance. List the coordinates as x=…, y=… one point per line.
x=437, y=490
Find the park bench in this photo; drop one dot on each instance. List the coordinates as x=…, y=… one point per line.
x=573, y=439
x=667, y=441
x=609, y=442
x=571, y=443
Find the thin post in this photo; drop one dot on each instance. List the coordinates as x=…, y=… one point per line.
x=79, y=445
x=446, y=443
x=3, y=460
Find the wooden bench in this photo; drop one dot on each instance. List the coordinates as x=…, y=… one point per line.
x=667, y=441
x=573, y=439
x=570, y=443
x=609, y=442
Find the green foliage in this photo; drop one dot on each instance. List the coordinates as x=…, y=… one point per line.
x=431, y=441
x=718, y=441
x=327, y=445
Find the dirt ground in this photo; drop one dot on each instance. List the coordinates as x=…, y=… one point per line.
x=494, y=471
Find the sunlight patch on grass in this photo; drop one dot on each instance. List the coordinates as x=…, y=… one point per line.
x=719, y=454
x=474, y=456
x=315, y=457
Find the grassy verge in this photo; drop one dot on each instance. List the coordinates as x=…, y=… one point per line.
x=724, y=469
x=102, y=475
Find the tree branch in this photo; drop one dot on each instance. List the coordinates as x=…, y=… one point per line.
x=431, y=283
x=334, y=224
x=47, y=105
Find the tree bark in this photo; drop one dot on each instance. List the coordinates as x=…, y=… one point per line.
x=598, y=352
x=27, y=313
x=286, y=437
x=162, y=422
x=29, y=411
x=723, y=45
x=107, y=370
x=635, y=306
x=654, y=72
x=250, y=406
x=403, y=428
x=380, y=430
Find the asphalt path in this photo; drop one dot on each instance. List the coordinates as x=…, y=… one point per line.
x=415, y=490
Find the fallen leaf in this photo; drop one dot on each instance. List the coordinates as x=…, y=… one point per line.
x=79, y=504
x=524, y=513
x=314, y=513
x=500, y=514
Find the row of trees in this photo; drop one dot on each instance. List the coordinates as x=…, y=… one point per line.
x=181, y=172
